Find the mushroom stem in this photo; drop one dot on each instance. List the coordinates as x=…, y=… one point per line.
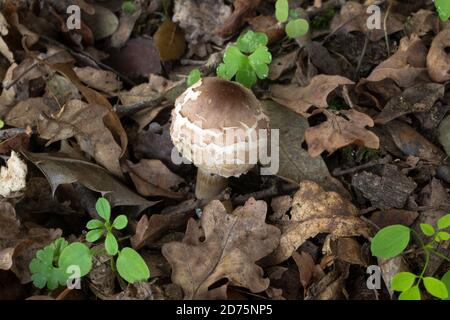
x=209, y=185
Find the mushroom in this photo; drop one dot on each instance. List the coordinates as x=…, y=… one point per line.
x=219, y=126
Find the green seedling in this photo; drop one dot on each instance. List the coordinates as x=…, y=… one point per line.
x=443, y=9
x=294, y=26
x=129, y=263
x=53, y=265
x=391, y=241
x=193, y=77
x=128, y=7
x=246, y=60
x=2, y=124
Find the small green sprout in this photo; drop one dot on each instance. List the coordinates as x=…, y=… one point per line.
x=295, y=27
x=2, y=124
x=194, y=77
x=443, y=9
x=128, y=7
x=52, y=264
x=391, y=241
x=246, y=60
x=130, y=264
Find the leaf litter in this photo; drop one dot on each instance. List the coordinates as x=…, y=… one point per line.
x=363, y=120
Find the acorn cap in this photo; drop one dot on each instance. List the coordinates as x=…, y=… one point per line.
x=215, y=125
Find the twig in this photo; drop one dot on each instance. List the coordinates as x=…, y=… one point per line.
x=363, y=53
x=192, y=204
x=131, y=109
x=267, y=193
x=10, y=133
x=385, y=28
x=340, y=172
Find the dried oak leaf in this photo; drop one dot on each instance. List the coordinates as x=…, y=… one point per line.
x=340, y=131
x=300, y=99
x=420, y=98
x=232, y=245
x=315, y=211
x=406, y=67
x=438, y=59
x=26, y=112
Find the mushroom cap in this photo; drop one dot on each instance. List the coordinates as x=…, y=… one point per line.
x=216, y=124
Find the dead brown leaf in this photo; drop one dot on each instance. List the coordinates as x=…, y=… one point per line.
x=406, y=67
x=98, y=79
x=27, y=112
x=340, y=131
x=242, y=10
x=85, y=123
x=169, y=40
x=233, y=243
x=150, y=230
x=438, y=59
x=419, y=98
x=330, y=214
x=153, y=178
x=300, y=99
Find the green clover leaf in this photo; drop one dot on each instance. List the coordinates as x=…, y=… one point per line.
x=194, y=77
x=259, y=60
x=444, y=222
x=250, y=41
x=297, y=28
x=94, y=224
x=111, y=245
x=120, y=222
x=282, y=10
x=103, y=208
x=443, y=9
x=128, y=7
x=131, y=266
x=427, y=229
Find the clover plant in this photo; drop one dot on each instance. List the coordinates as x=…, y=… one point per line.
x=295, y=27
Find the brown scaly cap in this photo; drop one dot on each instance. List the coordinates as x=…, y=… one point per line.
x=203, y=117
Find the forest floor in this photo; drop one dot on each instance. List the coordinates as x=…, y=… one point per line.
x=364, y=135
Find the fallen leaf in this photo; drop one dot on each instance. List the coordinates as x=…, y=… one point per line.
x=98, y=79
x=85, y=123
x=233, y=243
x=282, y=64
x=340, y=131
x=406, y=67
x=326, y=216
x=422, y=22
x=242, y=10
x=13, y=176
x=150, y=230
x=354, y=17
x=103, y=22
x=300, y=99
x=444, y=134
x=126, y=25
x=348, y=250
x=295, y=164
x=438, y=59
x=138, y=58
x=419, y=98
x=306, y=267
x=27, y=112
x=169, y=40
x=384, y=218
x=59, y=169
x=153, y=178
x=411, y=143
x=269, y=25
